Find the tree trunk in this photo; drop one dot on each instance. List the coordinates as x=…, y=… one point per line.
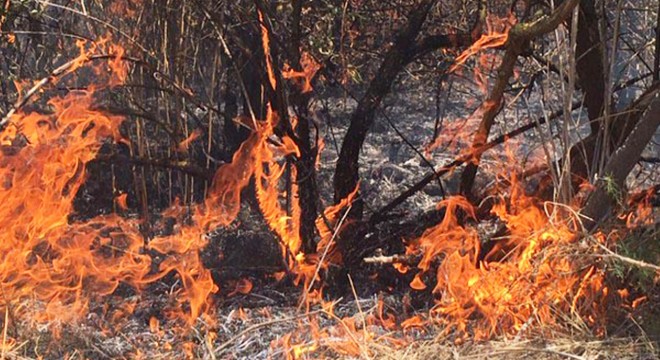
x=306, y=165
x=589, y=65
x=591, y=78
x=346, y=172
x=621, y=163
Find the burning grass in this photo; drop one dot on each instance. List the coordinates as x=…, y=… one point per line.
x=364, y=328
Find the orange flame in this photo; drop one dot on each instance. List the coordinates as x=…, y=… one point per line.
x=122, y=201
x=492, y=39
x=44, y=256
x=267, y=175
x=243, y=286
x=526, y=277
x=304, y=78
x=332, y=215
x=66, y=265
x=184, y=144
x=265, y=40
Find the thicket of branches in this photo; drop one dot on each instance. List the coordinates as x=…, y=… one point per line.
x=199, y=67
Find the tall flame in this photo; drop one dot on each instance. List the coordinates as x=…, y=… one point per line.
x=44, y=255
x=65, y=264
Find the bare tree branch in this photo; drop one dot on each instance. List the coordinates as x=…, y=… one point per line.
x=518, y=40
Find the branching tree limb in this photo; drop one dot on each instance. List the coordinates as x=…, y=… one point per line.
x=380, y=215
x=404, y=50
x=589, y=65
x=518, y=40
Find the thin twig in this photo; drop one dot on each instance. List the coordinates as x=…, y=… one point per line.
x=392, y=259
x=631, y=261
x=350, y=333
x=325, y=253
x=417, y=151
x=95, y=19
x=171, y=164
x=378, y=216
x=546, y=350
x=518, y=38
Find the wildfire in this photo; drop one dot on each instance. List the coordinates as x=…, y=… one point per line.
x=65, y=264
x=482, y=287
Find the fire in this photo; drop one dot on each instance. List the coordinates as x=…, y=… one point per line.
x=388, y=321
x=154, y=326
x=413, y=322
x=303, y=78
x=529, y=276
x=642, y=213
x=124, y=8
x=307, y=268
x=184, y=144
x=496, y=35
x=327, y=224
x=45, y=256
x=122, y=201
x=65, y=264
x=265, y=40
x=243, y=286
x=482, y=287
x=267, y=180
x=456, y=134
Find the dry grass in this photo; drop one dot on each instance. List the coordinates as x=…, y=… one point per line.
x=256, y=333
x=561, y=348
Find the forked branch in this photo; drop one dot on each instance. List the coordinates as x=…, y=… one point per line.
x=517, y=41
